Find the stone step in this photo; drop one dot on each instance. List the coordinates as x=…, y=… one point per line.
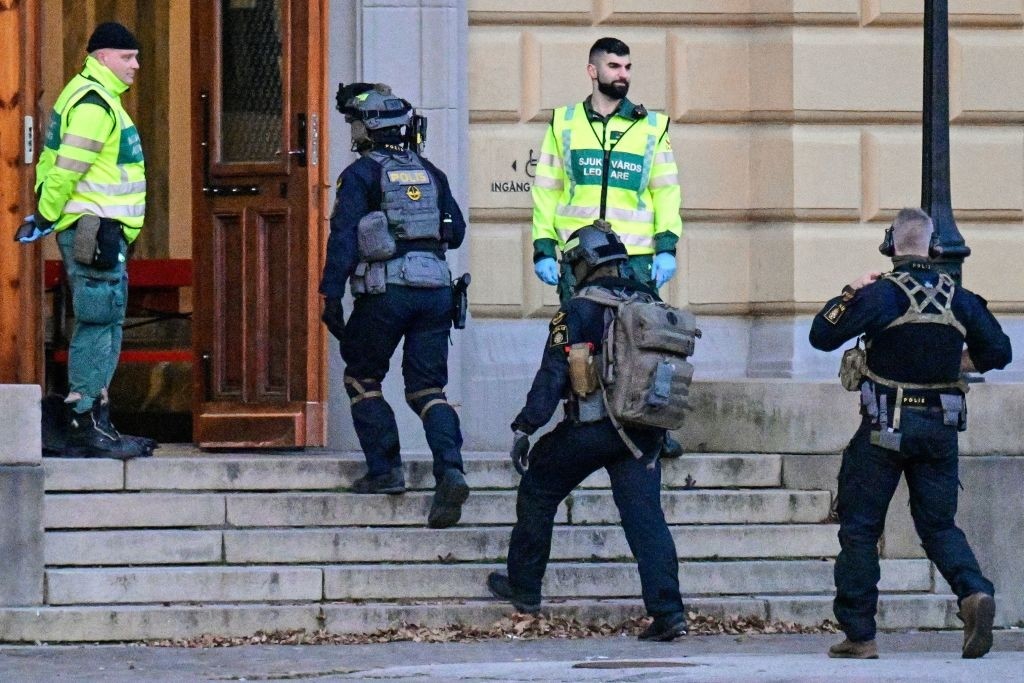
x=134, y=510
x=105, y=623
x=458, y=544
x=610, y=579
x=185, y=470
x=139, y=585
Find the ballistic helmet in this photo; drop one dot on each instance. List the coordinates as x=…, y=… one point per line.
x=375, y=114
x=590, y=247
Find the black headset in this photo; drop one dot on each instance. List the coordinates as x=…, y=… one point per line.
x=888, y=245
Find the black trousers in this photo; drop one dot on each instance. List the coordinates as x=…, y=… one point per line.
x=867, y=480
x=559, y=462
x=422, y=317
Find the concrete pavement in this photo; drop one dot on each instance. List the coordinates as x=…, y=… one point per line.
x=904, y=657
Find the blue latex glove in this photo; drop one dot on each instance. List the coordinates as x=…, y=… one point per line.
x=663, y=269
x=547, y=270
x=32, y=229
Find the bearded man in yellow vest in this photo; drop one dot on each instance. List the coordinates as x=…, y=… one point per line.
x=607, y=158
x=610, y=159
x=91, y=189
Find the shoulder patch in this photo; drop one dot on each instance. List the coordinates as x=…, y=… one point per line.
x=559, y=317
x=559, y=335
x=835, y=313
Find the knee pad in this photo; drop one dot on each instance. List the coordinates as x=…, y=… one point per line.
x=362, y=389
x=423, y=400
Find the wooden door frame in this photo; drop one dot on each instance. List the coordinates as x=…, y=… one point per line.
x=21, y=272
x=312, y=422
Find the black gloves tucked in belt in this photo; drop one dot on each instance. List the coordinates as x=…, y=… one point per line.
x=334, y=317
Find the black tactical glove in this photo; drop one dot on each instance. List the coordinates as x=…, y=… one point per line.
x=334, y=317
x=520, y=451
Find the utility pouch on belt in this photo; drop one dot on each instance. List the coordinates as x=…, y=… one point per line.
x=886, y=439
x=954, y=411
x=460, y=300
x=425, y=269
x=369, y=278
x=97, y=242
x=851, y=368
x=376, y=243
x=582, y=369
x=868, y=400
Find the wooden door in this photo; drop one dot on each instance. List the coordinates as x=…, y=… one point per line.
x=257, y=132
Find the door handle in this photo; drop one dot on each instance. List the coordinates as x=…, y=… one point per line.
x=300, y=133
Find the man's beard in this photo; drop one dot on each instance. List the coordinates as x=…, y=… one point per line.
x=614, y=90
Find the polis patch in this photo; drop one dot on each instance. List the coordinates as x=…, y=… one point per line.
x=835, y=313
x=417, y=176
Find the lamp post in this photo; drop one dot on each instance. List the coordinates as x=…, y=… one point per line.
x=950, y=249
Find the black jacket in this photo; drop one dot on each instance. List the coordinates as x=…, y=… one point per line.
x=914, y=353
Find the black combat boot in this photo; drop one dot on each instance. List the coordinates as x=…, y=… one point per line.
x=101, y=411
x=87, y=439
x=665, y=628
x=392, y=483
x=446, y=508
x=501, y=587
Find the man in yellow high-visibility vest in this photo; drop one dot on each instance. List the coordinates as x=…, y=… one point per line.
x=91, y=189
x=607, y=158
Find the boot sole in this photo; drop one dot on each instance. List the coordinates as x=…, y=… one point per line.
x=851, y=655
x=672, y=633
x=446, y=510
x=978, y=628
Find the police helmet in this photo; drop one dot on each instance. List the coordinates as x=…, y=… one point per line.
x=374, y=112
x=590, y=247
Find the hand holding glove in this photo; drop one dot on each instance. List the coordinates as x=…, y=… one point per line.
x=520, y=451
x=663, y=269
x=32, y=228
x=334, y=317
x=547, y=270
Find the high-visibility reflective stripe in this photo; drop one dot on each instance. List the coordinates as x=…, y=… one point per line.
x=646, y=176
x=106, y=211
x=547, y=183
x=69, y=164
x=547, y=159
x=611, y=213
x=664, y=158
x=664, y=180
x=627, y=239
x=81, y=142
x=112, y=189
x=567, y=159
x=365, y=395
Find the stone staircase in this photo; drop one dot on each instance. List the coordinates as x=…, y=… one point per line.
x=190, y=542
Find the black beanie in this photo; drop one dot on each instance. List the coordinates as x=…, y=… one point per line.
x=114, y=35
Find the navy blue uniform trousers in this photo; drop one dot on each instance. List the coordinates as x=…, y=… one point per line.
x=867, y=480
x=559, y=462
x=377, y=324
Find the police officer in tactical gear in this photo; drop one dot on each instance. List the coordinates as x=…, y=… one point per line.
x=585, y=441
x=915, y=321
x=393, y=220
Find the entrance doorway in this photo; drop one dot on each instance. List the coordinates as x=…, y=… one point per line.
x=257, y=222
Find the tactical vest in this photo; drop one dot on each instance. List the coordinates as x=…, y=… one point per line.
x=112, y=186
x=409, y=197
x=926, y=305
x=628, y=159
x=409, y=210
x=644, y=374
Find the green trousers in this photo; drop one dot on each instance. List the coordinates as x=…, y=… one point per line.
x=99, y=298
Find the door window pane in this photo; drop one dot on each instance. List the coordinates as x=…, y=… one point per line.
x=252, y=93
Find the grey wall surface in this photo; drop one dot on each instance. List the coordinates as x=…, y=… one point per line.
x=21, y=495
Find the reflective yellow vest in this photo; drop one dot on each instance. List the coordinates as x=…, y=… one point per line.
x=622, y=171
x=92, y=160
